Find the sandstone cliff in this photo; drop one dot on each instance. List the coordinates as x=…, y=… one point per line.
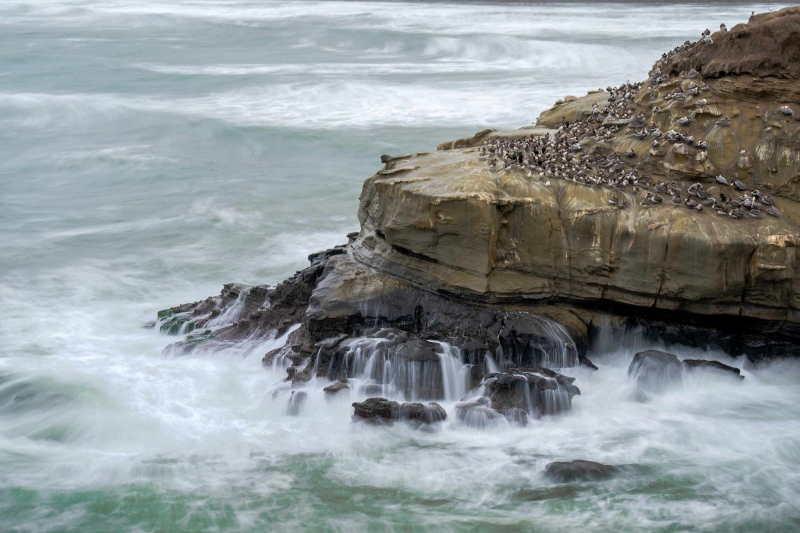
x=449, y=220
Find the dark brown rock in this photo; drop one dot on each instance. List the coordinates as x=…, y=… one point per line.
x=381, y=409
x=766, y=46
x=580, y=470
x=714, y=366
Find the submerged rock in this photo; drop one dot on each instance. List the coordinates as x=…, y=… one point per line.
x=381, y=409
x=655, y=371
x=691, y=365
x=580, y=470
x=296, y=401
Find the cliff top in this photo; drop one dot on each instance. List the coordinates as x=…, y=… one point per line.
x=768, y=45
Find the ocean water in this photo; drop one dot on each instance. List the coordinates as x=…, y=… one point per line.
x=151, y=151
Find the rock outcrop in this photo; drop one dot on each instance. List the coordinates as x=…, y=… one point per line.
x=518, y=394
x=655, y=371
x=452, y=223
x=672, y=204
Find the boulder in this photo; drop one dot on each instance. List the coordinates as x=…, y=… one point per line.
x=655, y=371
x=340, y=385
x=691, y=365
x=580, y=470
x=532, y=391
x=381, y=409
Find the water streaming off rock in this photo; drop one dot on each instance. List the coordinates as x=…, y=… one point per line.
x=152, y=151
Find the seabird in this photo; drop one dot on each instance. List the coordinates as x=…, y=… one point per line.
x=739, y=186
x=722, y=181
x=723, y=27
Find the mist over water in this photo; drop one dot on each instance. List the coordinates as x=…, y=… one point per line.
x=152, y=151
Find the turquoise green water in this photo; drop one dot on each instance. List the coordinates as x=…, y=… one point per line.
x=152, y=151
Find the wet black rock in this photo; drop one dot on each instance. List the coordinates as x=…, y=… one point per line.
x=580, y=470
x=381, y=409
x=535, y=391
x=655, y=371
x=715, y=366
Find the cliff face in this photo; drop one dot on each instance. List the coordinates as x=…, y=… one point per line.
x=450, y=220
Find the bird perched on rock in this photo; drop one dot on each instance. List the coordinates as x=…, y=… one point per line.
x=723, y=27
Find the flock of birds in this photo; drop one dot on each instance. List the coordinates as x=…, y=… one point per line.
x=561, y=156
